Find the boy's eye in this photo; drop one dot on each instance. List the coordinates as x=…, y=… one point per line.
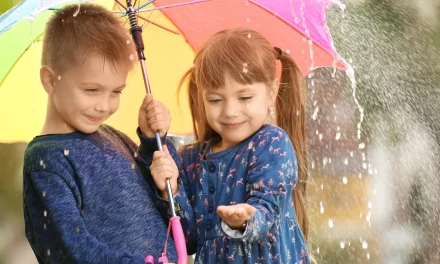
x=117, y=92
x=245, y=98
x=92, y=90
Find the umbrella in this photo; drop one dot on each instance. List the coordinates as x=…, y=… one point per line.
x=296, y=26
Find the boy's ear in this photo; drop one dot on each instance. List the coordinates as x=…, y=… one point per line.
x=47, y=77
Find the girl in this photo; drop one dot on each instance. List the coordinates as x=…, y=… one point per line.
x=242, y=185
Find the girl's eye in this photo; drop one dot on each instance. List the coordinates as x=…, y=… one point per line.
x=117, y=92
x=245, y=98
x=214, y=100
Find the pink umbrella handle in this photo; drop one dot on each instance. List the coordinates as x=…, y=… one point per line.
x=179, y=240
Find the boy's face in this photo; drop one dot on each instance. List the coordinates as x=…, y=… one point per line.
x=86, y=95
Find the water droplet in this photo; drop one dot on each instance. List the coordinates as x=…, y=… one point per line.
x=77, y=230
x=338, y=135
x=322, y=186
x=45, y=213
x=330, y=223
x=322, y=210
x=324, y=161
x=364, y=165
x=62, y=20
x=41, y=162
x=368, y=255
x=313, y=164
x=131, y=56
x=135, y=155
x=247, y=2
x=181, y=141
x=133, y=166
x=245, y=67
x=362, y=145
x=288, y=51
x=128, y=41
x=248, y=20
x=249, y=35
x=45, y=226
x=344, y=180
x=346, y=161
x=44, y=194
x=297, y=20
x=59, y=77
x=370, y=205
x=321, y=136
x=311, y=74
x=364, y=244
x=342, y=244
x=315, y=113
x=351, y=154
x=317, y=250
x=368, y=217
x=304, y=39
x=66, y=152
x=48, y=252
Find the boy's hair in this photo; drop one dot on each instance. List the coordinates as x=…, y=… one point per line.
x=248, y=57
x=74, y=33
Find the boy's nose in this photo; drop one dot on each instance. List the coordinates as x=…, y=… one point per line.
x=102, y=105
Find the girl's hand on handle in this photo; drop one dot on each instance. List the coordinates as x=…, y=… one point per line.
x=237, y=215
x=153, y=116
x=162, y=168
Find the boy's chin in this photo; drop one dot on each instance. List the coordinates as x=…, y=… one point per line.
x=88, y=129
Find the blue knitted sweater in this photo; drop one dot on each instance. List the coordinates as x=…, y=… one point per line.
x=88, y=199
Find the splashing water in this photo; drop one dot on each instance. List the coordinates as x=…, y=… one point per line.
x=344, y=180
x=342, y=244
x=351, y=76
x=66, y=152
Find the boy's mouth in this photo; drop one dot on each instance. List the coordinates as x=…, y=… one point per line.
x=94, y=118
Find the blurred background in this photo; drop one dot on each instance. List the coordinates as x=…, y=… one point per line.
x=373, y=141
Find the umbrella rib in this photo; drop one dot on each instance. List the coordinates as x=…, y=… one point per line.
x=157, y=25
x=120, y=4
x=174, y=5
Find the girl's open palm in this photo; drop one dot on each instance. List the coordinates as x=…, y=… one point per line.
x=237, y=215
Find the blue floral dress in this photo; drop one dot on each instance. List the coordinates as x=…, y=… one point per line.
x=262, y=172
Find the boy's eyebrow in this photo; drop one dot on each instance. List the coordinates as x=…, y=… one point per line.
x=101, y=86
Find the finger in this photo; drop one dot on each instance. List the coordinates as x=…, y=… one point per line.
x=147, y=101
x=157, y=107
x=158, y=155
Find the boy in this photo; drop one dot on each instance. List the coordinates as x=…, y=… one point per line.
x=85, y=199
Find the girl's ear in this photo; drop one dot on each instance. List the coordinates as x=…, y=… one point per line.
x=274, y=91
x=47, y=77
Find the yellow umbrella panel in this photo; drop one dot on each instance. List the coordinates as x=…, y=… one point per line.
x=23, y=99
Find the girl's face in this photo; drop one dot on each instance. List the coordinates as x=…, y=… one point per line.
x=236, y=111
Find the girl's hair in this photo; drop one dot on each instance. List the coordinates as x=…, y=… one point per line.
x=248, y=58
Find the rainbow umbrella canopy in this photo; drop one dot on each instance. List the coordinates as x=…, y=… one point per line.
x=175, y=28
